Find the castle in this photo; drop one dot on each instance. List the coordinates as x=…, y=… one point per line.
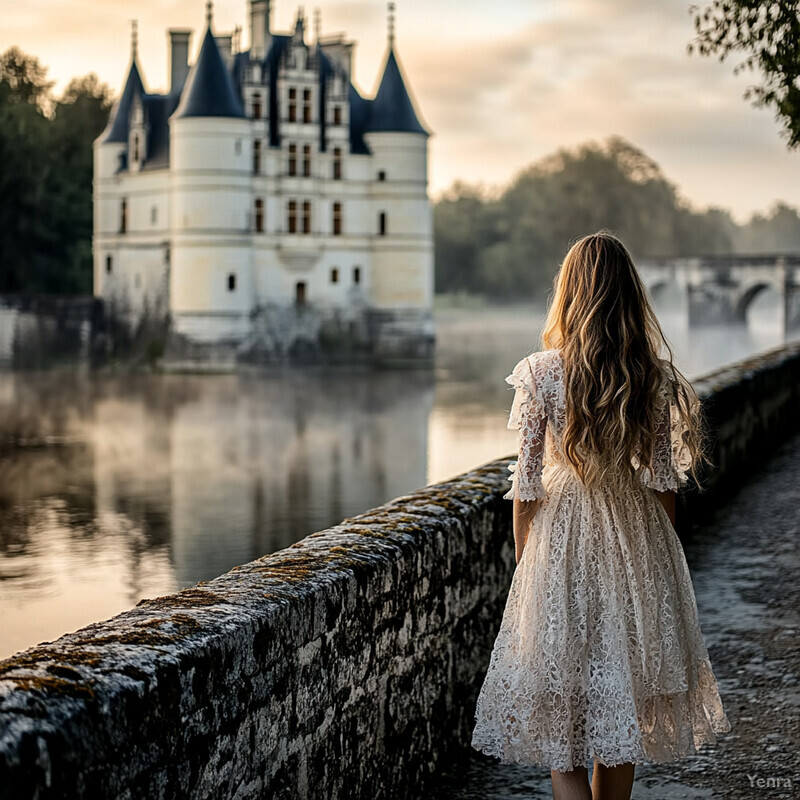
x=262, y=204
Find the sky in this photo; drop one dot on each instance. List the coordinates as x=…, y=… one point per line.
x=500, y=84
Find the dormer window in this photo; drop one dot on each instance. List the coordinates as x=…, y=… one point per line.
x=337, y=115
x=292, y=104
x=135, y=148
x=257, y=106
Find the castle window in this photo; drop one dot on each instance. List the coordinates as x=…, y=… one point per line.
x=292, y=216
x=337, y=163
x=300, y=293
x=306, y=216
x=293, y=159
x=382, y=223
x=109, y=264
x=307, y=160
x=123, y=215
x=292, y=104
x=231, y=281
x=136, y=149
x=335, y=275
x=259, y=215
x=306, y=105
x=382, y=175
x=256, y=156
x=337, y=115
x=256, y=106
x=337, y=219
x=356, y=275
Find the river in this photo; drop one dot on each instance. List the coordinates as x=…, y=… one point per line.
x=119, y=487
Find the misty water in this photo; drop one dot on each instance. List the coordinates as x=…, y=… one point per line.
x=114, y=488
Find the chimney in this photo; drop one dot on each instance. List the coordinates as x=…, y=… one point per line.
x=179, y=58
x=224, y=44
x=260, y=36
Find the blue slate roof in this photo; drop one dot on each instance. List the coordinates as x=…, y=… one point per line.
x=117, y=128
x=359, y=117
x=392, y=109
x=209, y=89
x=157, y=109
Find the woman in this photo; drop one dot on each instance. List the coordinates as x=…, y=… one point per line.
x=600, y=656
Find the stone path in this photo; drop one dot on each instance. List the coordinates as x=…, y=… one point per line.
x=746, y=572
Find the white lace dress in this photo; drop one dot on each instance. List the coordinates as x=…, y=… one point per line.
x=600, y=652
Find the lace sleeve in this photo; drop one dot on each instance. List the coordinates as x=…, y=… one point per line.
x=528, y=415
x=671, y=457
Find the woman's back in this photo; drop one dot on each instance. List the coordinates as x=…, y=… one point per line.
x=540, y=413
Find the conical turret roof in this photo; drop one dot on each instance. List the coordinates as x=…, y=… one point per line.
x=392, y=108
x=209, y=89
x=117, y=128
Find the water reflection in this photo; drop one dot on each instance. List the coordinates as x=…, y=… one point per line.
x=114, y=488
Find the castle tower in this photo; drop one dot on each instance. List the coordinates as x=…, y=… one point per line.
x=402, y=259
x=110, y=155
x=211, y=291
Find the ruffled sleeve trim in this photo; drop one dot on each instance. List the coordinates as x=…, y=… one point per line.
x=671, y=457
x=529, y=416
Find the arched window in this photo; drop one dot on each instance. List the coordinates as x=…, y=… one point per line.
x=382, y=223
x=232, y=282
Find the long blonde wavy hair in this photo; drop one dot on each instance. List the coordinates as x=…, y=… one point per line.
x=611, y=343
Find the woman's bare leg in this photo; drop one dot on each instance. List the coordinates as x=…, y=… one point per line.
x=612, y=783
x=572, y=785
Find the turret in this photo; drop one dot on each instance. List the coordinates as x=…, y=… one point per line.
x=210, y=162
x=402, y=272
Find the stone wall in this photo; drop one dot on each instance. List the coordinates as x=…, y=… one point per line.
x=344, y=666
x=750, y=407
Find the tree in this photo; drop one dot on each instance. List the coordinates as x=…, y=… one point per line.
x=23, y=80
x=46, y=178
x=769, y=35
x=510, y=244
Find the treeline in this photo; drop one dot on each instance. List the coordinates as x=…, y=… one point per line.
x=510, y=244
x=501, y=244
x=46, y=177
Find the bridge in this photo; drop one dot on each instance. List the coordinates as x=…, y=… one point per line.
x=719, y=289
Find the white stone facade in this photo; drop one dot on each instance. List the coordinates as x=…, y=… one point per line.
x=234, y=212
